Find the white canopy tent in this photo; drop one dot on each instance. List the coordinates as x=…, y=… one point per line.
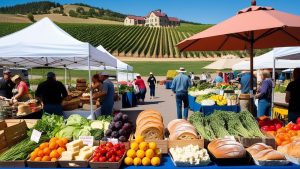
x=45, y=44
x=287, y=53
x=223, y=64
x=266, y=61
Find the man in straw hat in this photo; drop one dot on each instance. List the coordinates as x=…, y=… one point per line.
x=180, y=86
x=6, y=85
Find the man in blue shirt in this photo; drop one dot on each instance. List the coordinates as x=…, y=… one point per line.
x=180, y=86
x=244, y=86
x=219, y=78
x=107, y=93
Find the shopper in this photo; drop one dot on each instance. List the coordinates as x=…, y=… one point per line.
x=180, y=86
x=22, y=92
x=218, y=79
x=6, y=85
x=244, y=86
x=96, y=83
x=51, y=92
x=142, y=88
x=293, y=96
x=203, y=78
x=107, y=94
x=152, y=84
x=264, y=95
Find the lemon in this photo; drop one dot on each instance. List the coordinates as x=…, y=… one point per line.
x=131, y=153
x=146, y=161
x=137, y=161
x=158, y=153
x=150, y=153
x=128, y=161
x=140, y=154
x=143, y=146
x=155, y=161
x=152, y=145
x=134, y=146
x=139, y=139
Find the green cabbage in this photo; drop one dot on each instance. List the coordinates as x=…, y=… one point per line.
x=81, y=132
x=66, y=132
x=76, y=120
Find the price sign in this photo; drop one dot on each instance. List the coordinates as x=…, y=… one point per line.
x=221, y=92
x=87, y=140
x=35, y=136
x=113, y=140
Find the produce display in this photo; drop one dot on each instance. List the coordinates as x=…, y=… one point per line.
x=208, y=102
x=120, y=128
x=226, y=148
x=77, y=125
x=149, y=124
x=123, y=88
x=109, y=152
x=222, y=123
x=266, y=124
x=190, y=155
x=220, y=100
x=291, y=149
x=263, y=152
x=200, y=98
x=77, y=151
x=49, y=151
x=143, y=153
x=196, y=93
x=181, y=129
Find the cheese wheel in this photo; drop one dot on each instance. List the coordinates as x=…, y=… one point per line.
x=226, y=148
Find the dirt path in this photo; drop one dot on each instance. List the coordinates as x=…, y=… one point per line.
x=164, y=102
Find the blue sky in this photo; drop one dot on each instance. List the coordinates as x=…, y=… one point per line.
x=203, y=11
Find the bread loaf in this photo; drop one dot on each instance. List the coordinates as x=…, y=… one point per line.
x=173, y=123
x=293, y=149
x=255, y=148
x=226, y=148
x=268, y=154
x=181, y=129
x=149, y=124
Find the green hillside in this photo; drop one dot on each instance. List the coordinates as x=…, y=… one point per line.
x=133, y=41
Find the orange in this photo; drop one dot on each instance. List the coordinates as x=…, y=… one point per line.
x=46, y=151
x=38, y=159
x=280, y=136
x=53, y=145
x=33, y=155
x=149, y=153
x=143, y=146
x=46, y=158
x=44, y=145
x=278, y=141
x=53, y=139
x=140, y=154
x=152, y=145
x=281, y=130
x=60, y=150
x=155, y=161
x=40, y=153
x=146, y=161
x=285, y=143
x=54, y=154
x=36, y=150
x=60, y=143
x=139, y=139
x=64, y=140
x=53, y=159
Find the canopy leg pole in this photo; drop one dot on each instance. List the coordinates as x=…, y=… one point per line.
x=273, y=87
x=92, y=115
x=251, y=74
x=65, y=76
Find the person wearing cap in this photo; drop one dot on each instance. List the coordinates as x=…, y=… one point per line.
x=152, y=83
x=180, y=86
x=22, y=94
x=142, y=88
x=107, y=94
x=51, y=92
x=6, y=85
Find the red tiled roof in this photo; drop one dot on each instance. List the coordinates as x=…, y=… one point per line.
x=136, y=18
x=174, y=19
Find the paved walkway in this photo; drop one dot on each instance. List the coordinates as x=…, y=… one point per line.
x=164, y=103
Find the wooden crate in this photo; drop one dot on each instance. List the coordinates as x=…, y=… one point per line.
x=161, y=144
x=247, y=142
x=183, y=143
x=106, y=165
x=42, y=164
x=29, y=122
x=73, y=164
x=13, y=164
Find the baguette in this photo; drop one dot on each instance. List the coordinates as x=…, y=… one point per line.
x=269, y=154
x=226, y=148
x=255, y=148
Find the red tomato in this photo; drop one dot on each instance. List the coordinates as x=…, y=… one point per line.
x=298, y=120
x=272, y=128
x=102, y=159
x=265, y=128
x=119, y=153
x=110, y=145
x=296, y=127
x=95, y=159
x=112, y=159
x=118, y=159
x=103, y=151
x=108, y=155
x=117, y=147
x=122, y=146
x=278, y=126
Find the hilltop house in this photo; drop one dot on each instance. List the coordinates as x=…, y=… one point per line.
x=155, y=18
x=134, y=20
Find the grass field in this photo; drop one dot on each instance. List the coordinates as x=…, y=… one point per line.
x=158, y=68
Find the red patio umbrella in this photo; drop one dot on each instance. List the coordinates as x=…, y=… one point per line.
x=255, y=27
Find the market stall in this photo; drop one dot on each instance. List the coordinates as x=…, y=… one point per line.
x=45, y=44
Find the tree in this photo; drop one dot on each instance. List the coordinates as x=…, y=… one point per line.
x=92, y=12
x=30, y=17
x=80, y=10
x=72, y=13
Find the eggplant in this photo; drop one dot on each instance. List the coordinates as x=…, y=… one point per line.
x=112, y=126
x=123, y=139
x=118, y=125
x=114, y=134
x=127, y=126
x=118, y=117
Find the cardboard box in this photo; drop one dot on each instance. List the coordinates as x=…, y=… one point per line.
x=247, y=142
x=183, y=143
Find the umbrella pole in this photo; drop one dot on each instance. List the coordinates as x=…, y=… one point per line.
x=92, y=115
x=251, y=104
x=273, y=87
